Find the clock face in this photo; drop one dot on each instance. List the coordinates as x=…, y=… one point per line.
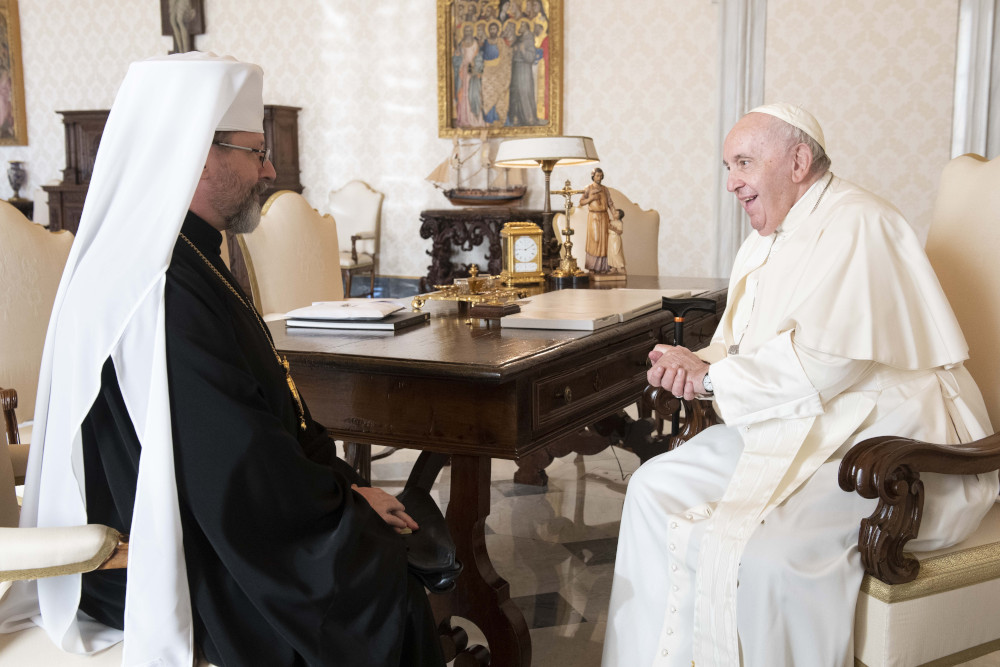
x=525, y=249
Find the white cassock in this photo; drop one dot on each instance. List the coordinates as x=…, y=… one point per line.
x=843, y=333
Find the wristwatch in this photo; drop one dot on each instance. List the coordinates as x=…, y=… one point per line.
x=707, y=382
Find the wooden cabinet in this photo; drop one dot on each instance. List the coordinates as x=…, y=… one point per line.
x=83, y=130
x=465, y=228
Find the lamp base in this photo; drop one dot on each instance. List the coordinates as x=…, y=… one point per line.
x=561, y=280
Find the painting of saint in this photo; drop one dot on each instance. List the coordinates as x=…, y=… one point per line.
x=501, y=60
x=13, y=128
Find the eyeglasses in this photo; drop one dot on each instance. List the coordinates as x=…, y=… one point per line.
x=263, y=153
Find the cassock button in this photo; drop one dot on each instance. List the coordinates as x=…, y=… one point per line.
x=664, y=652
x=670, y=631
x=673, y=524
x=673, y=568
x=688, y=517
x=673, y=609
x=672, y=547
x=675, y=588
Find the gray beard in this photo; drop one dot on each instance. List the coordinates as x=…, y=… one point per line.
x=247, y=217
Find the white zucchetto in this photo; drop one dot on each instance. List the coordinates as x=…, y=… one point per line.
x=796, y=117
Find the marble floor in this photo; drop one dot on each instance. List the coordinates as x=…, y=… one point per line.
x=555, y=546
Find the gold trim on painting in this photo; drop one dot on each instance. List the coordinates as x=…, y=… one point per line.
x=13, y=124
x=446, y=25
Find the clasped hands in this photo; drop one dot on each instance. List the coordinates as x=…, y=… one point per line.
x=388, y=507
x=678, y=370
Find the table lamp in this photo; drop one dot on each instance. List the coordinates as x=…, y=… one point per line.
x=545, y=152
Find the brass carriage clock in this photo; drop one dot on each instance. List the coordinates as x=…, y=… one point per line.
x=522, y=253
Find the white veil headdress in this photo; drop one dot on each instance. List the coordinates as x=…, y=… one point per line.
x=110, y=303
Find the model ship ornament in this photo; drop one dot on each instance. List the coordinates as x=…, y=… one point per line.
x=471, y=162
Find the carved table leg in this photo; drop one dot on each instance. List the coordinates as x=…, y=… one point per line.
x=480, y=595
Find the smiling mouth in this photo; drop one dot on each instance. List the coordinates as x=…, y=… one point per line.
x=746, y=200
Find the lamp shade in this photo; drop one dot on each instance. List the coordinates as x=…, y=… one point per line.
x=534, y=151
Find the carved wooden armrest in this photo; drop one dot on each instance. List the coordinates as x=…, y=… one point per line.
x=698, y=414
x=8, y=402
x=354, y=243
x=888, y=468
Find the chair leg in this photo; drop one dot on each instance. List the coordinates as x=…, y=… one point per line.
x=346, y=275
x=371, y=284
x=359, y=457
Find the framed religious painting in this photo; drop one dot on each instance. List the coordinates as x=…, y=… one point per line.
x=499, y=67
x=13, y=126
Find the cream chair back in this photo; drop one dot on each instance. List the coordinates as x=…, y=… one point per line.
x=31, y=264
x=963, y=246
x=225, y=250
x=291, y=257
x=640, y=235
x=8, y=499
x=357, y=208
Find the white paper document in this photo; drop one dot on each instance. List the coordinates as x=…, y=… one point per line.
x=348, y=309
x=587, y=309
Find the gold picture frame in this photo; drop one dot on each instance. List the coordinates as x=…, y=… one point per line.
x=480, y=66
x=13, y=123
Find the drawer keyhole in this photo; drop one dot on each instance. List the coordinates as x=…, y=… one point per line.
x=566, y=395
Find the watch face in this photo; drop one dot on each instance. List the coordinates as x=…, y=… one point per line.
x=525, y=249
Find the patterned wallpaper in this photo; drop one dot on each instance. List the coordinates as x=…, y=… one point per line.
x=639, y=77
x=879, y=77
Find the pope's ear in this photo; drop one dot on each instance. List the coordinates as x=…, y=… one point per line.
x=802, y=160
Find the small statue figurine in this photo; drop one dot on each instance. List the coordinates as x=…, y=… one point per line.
x=616, y=255
x=597, y=198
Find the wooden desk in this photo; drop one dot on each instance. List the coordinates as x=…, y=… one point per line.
x=475, y=393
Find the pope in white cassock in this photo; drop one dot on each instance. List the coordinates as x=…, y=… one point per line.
x=740, y=546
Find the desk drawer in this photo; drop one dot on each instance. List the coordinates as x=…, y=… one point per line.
x=593, y=381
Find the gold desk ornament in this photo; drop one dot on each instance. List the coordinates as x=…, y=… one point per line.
x=568, y=273
x=475, y=289
x=521, y=248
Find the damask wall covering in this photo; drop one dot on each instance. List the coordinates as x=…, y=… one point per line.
x=639, y=77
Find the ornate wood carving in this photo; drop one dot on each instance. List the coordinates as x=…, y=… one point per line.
x=888, y=468
x=698, y=415
x=456, y=229
x=8, y=403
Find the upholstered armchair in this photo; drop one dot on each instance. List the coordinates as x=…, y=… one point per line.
x=937, y=607
x=288, y=256
x=31, y=264
x=357, y=209
x=33, y=553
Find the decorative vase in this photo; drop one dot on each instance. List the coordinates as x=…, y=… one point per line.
x=16, y=176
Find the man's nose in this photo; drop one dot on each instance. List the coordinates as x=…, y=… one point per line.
x=267, y=172
x=733, y=183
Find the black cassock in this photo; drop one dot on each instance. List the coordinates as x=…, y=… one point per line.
x=286, y=565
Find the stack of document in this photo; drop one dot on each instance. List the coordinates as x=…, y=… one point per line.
x=587, y=309
x=383, y=314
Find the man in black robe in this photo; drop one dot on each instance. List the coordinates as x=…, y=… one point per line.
x=290, y=559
